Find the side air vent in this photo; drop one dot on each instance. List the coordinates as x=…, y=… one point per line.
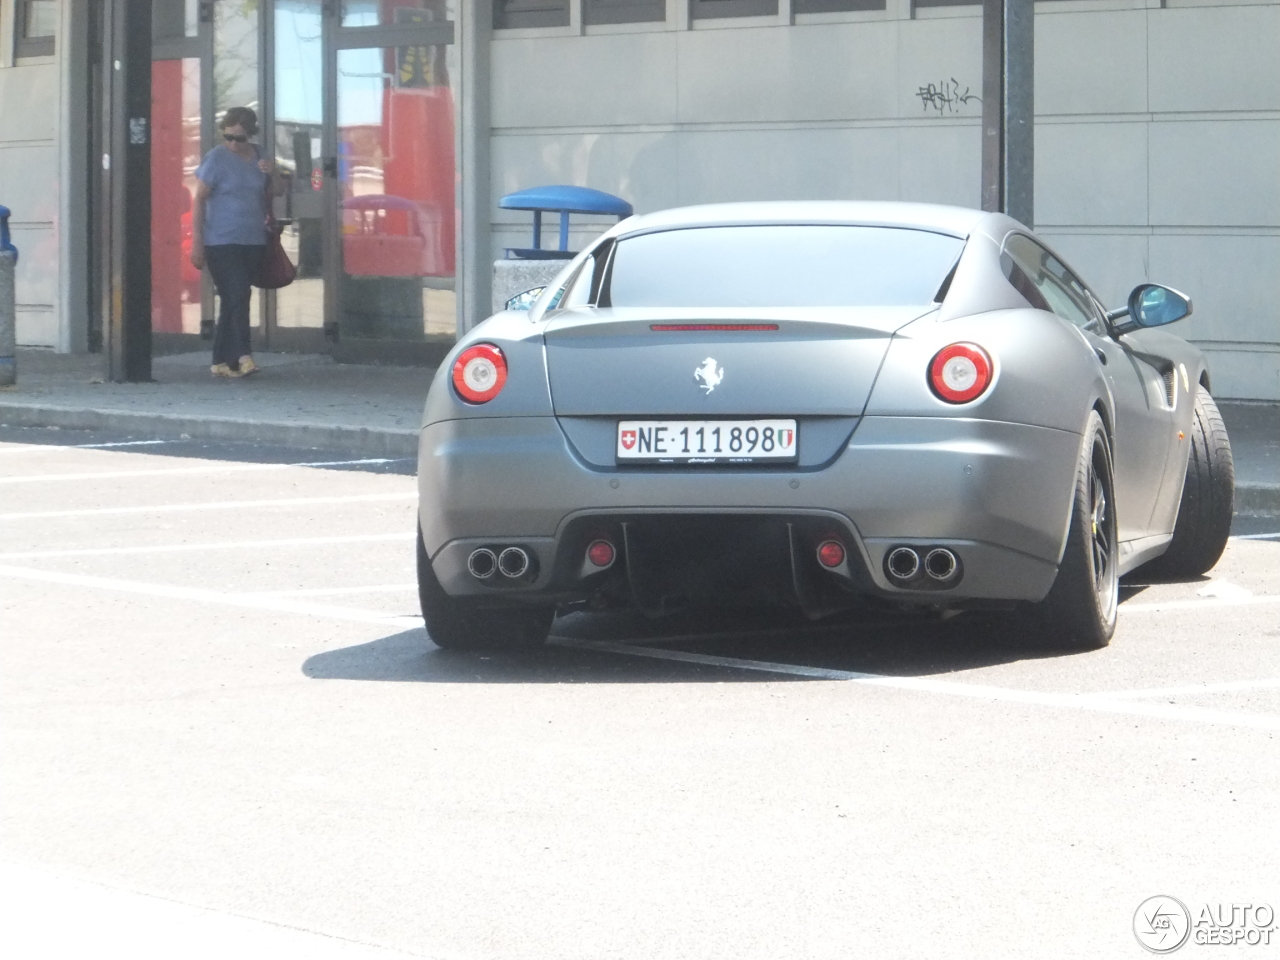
x=1170, y=378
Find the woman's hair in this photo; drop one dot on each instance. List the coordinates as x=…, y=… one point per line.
x=242, y=117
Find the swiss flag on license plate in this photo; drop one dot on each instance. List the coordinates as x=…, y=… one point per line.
x=628, y=439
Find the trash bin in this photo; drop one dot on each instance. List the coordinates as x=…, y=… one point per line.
x=8, y=260
x=526, y=268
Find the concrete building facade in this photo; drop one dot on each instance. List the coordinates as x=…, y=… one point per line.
x=1157, y=137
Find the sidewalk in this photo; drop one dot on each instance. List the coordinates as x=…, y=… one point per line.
x=308, y=401
x=298, y=400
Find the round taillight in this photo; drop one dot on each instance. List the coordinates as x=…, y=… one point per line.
x=960, y=373
x=479, y=373
x=831, y=553
x=600, y=553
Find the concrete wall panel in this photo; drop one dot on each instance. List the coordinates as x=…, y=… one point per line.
x=29, y=102
x=1215, y=58
x=29, y=182
x=1091, y=174
x=822, y=164
x=1231, y=281
x=941, y=164
x=804, y=73
x=36, y=277
x=1092, y=62
x=946, y=54
x=602, y=80
x=1215, y=173
x=36, y=328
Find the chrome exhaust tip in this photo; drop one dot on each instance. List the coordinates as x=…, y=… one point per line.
x=513, y=562
x=941, y=564
x=903, y=563
x=482, y=563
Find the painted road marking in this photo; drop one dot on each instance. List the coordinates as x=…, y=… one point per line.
x=339, y=591
x=1257, y=536
x=44, y=448
x=1229, y=686
x=189, y=471
x=147, y=927
x=1208, y=603
x=1093, y=703
x=220, y=505
x=216, y=545
x=201, y=595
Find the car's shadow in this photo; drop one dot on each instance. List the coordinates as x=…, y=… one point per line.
x=881, y=643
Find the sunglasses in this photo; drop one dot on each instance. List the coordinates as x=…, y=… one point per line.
x=235, y=138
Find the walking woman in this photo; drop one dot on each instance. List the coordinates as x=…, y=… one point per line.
x=228, y=232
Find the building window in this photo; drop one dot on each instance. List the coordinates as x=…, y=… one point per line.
x=709, y=9
x=838, y=6
x=34, y=30
x=624, y=11
x=530, y=13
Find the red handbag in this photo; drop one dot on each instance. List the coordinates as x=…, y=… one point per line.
x=276, y=270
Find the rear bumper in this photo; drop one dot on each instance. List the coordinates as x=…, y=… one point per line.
x=996, y=493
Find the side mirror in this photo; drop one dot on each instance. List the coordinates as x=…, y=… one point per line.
x=526, y=300
x=1150, y=305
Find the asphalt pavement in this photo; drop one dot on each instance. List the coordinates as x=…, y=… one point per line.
x=223, y=731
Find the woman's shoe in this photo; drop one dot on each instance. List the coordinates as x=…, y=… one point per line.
x=222, y=370
x=248, y=366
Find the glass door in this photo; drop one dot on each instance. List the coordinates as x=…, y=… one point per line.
x=391, y=246
x=298, y=115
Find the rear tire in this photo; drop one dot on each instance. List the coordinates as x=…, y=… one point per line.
x=1208, y=499
x=1080, y=610
x=464, y=623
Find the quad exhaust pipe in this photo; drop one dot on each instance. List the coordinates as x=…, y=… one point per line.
x=512, y=562
x=941, y=564
x=923, y=567
x=482, y=563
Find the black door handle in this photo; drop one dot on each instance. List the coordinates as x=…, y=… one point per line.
x=1101, y=355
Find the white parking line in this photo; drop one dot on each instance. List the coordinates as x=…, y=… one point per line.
x=1093, y=703
x=46, y=448
x=1257, y=536
x=190, y=471
x=110, y=922
x=216, y=545
x=1207, y=603
x=1229, y=686
x=201, y=595
x=220, y=505
x=339, y=591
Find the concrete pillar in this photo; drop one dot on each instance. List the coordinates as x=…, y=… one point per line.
x=1008, y=108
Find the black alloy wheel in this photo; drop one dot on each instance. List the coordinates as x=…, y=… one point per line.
x=1080, y=610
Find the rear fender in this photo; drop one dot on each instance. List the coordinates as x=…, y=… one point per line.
x=1046, y=375
x=526, y=393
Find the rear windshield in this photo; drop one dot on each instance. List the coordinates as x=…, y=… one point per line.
x=781, y=266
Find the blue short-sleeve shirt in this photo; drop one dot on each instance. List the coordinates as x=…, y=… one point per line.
x=234, y=212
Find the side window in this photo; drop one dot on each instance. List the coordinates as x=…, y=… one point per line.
x=1034, y=270
x=585, y=285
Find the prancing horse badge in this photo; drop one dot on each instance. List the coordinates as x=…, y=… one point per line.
x=708, y=376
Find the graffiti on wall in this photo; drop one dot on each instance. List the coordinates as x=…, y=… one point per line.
x=949, y=96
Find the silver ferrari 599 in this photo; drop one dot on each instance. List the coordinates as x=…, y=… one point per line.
x=821, y=406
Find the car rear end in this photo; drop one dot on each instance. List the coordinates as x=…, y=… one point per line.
x=764, y=432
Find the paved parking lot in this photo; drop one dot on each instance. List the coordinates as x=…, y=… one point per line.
x=224, y=732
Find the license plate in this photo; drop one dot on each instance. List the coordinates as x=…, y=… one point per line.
x=706, y=441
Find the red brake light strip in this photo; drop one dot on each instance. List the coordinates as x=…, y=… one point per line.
x=697, y=327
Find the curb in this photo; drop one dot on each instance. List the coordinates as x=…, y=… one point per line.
x=358, y=441
x=1257, y=500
